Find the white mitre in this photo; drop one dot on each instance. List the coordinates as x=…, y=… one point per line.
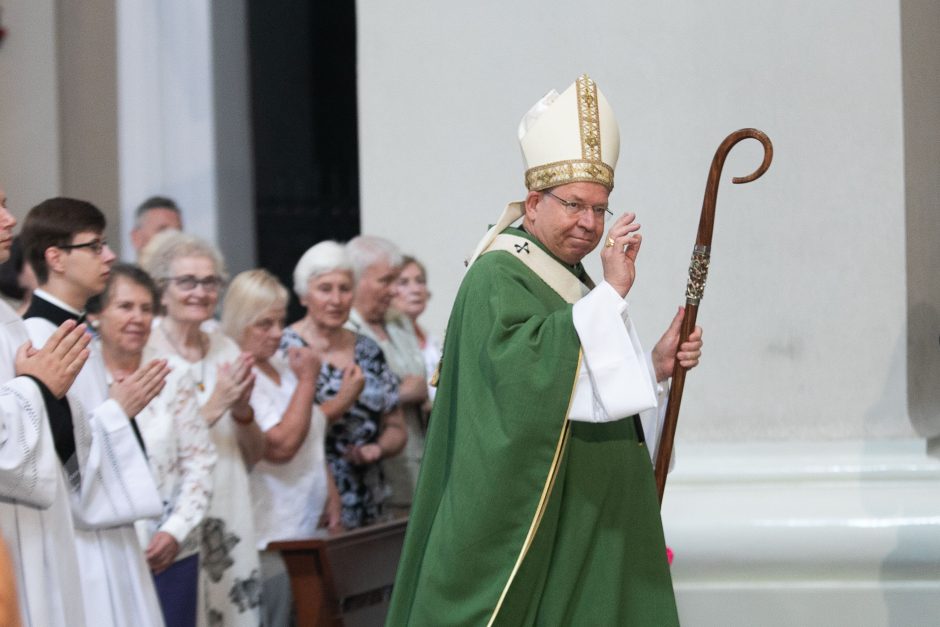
x=565, y=138
x=570, y=137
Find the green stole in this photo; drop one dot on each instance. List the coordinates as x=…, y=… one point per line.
x=522, y=517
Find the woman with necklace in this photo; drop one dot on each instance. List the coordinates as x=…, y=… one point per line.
x=356, y=390
x=176, y=438
x=190, y=273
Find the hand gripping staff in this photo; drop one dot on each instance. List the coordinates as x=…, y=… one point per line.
x=695, y=289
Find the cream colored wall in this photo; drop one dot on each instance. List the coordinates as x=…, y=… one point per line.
x=30, y=168
x=88, y=106
x=805, y=311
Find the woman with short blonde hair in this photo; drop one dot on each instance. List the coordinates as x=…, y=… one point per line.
x=290, y=487
x=248, y=296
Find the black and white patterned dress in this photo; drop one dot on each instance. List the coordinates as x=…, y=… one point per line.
x=362, y=488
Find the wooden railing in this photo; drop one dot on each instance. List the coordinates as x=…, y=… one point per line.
x=344, y=579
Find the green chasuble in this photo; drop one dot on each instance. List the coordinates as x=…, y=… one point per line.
x=522, y=517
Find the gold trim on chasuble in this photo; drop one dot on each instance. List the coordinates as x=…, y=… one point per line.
x=566, y=285
x=590, y=168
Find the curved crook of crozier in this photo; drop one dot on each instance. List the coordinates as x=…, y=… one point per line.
x=714, y=175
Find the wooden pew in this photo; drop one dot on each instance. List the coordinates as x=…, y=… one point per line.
x=344, y=579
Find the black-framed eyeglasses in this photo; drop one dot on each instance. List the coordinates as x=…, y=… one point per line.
x=96, y=245
x=577, y=208
x=188, y=282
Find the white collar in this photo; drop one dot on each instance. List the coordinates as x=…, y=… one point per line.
x=43, y=294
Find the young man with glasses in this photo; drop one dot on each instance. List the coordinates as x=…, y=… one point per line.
x=97, y=441
x=536, y=502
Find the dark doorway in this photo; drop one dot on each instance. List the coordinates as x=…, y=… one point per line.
x=304, y=119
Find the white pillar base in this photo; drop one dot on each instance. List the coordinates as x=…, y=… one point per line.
x=817, y=533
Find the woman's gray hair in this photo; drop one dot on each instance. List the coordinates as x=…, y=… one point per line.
x=366, y=250
x=167, y=246
x=249, y=296
x=327, y=256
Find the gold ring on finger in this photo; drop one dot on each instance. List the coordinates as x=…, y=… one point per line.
x=609, y=243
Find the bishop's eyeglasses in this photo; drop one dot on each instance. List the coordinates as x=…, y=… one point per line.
x=578, y=208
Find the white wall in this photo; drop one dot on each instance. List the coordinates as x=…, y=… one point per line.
x=804, y=315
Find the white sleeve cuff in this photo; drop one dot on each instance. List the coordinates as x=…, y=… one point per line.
x=615, y=380
x=110, y=416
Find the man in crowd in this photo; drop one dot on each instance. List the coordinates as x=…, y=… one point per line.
x=35, y=518
x=377, y=262
x=154, y=215
x=536, y=502
x=101, y=448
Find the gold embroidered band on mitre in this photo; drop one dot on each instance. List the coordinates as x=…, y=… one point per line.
x=562, y=172
x=589, y=119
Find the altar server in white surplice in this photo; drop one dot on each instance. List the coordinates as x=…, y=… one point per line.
x=110, y=481
x=34, y=513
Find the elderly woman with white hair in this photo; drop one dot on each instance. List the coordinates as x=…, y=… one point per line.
x=376, y=264
x=190, y=273
x=356, y=390
x=291, y=487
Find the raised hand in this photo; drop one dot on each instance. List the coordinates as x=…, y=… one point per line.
x=136, y=390
x=232, y=381
x=304, y=362
x=60, y=359
x=618, y=256
x=353, y=383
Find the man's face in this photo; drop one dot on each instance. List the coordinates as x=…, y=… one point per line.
x=375, y=290
x=85, y=270
x=568, y=237
x=7, y=222
x=152, y=222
